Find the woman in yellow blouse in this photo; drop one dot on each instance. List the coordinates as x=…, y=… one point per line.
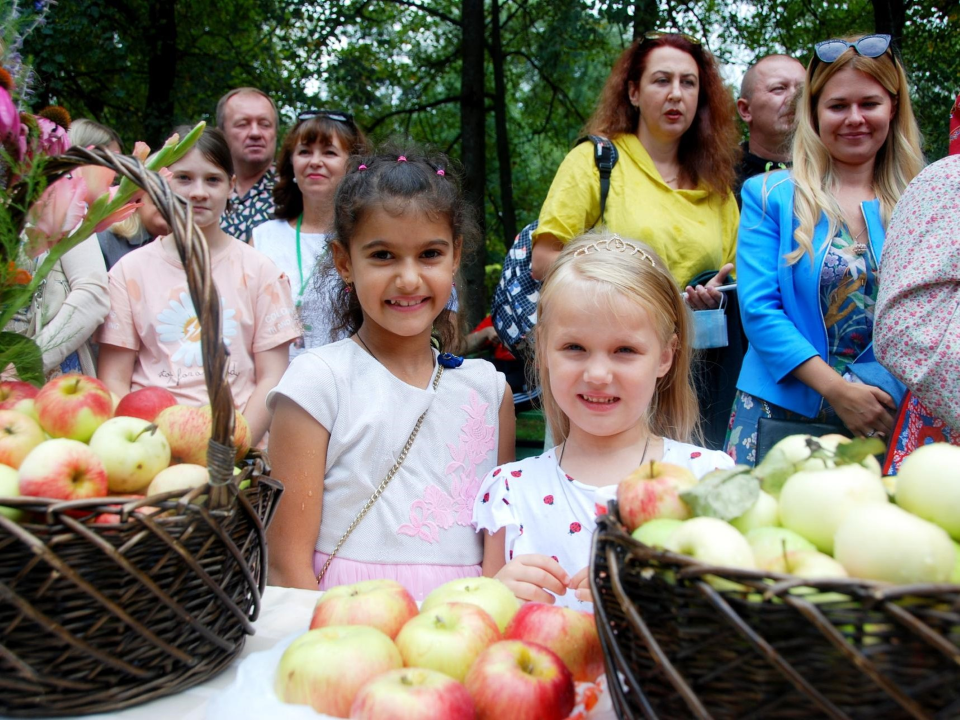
x=666, y=110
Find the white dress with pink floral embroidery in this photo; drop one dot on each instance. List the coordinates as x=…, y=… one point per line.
x=419, y=531
x=545, y=511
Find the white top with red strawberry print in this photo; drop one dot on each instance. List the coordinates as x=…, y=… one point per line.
x=550, y=513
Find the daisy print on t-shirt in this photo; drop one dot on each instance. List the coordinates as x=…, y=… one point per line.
x=179, y=324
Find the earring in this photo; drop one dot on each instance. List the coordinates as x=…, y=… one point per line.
x=294, y=180
x=348, y=288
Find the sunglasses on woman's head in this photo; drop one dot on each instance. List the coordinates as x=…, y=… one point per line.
x=871, y=46
x=335, y=115
x=658, y=34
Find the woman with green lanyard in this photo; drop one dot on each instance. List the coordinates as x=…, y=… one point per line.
x=313, y=160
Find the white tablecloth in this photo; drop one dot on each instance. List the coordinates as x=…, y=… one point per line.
x=284, y=611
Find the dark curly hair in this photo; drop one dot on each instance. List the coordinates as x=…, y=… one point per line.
x=424, y=183
x=709, y=150
x=286, y=195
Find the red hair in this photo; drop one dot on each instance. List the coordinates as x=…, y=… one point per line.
x=709, y=150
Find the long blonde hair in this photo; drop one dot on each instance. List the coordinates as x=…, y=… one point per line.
x=673, y=411
x=898, y=160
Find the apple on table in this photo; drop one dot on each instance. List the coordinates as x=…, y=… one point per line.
x=73, y=406
x=325, y=668
x=19, y=434
x=383, y=604
x=488, y=593
x=517, y=679
x=413, y=694
x=571, y=634
x=447, y=638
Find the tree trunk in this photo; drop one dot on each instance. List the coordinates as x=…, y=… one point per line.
x=161, y=42
x=473, y=298
x=508, y=216
x=646, y=17
x=889, y=17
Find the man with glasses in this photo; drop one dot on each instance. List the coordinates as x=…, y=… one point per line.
x=766, y=105
x=248, y=118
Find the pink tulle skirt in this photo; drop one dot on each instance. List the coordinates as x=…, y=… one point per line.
x=419, y=580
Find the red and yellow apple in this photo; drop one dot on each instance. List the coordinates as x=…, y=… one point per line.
x=516, y=679
x=490, y=594
x=19, y=434
x=653, y=491
x=325, y=668
x=145, y=403
x=447, y=638
x=383, y=604
x=13, y=391
x=133, y=451
x=73, y=406
x=63, y=469
x=571, y=634
x=188, y=430
x=413, y=694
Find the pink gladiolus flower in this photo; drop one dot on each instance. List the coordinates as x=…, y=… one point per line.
x=58, y=211
x=117, y=216
x=98, y=180
x=53, y=138
x=141, y=151
x=9, y=117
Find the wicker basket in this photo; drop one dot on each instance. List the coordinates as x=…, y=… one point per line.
x=682, y=648
x=98, y=617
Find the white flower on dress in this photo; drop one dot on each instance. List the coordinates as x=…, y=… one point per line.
x=179, y=323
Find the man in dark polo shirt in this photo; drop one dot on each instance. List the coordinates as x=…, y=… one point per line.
x=248, y=117
x=766, y=105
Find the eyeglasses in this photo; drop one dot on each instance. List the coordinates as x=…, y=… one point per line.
x=335, y=115
x=658, y=34
x=871, y=46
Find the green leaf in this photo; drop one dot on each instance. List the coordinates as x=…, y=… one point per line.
x=24, y=354
x=724, y=494
x=858, y=450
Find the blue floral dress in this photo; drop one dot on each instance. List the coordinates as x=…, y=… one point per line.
x=848, y=295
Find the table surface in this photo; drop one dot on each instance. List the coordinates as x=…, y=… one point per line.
x=283, y=612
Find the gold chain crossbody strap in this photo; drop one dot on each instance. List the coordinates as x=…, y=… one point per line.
x=383, y=486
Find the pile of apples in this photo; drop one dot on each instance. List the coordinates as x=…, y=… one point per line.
x=814, y=508
x=471, y=651
x=72, y=440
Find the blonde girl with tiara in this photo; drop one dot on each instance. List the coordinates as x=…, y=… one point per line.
x=381, y=441
x=613, y=357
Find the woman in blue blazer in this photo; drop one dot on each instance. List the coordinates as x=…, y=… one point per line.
x=809, y=245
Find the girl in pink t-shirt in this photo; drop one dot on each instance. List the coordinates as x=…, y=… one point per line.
x=152, y=335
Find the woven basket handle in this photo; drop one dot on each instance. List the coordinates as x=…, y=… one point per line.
x=195, y=256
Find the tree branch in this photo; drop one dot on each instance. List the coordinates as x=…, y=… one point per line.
x=429, y=11
x=411, y=110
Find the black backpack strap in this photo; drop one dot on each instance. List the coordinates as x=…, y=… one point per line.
x=605, y=155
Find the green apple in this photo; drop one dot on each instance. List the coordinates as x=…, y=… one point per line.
x=490, y=594
x=814, y=503
x=771, y=544
x=132, y=450
x=955, y=577
x=712, y=542
x=10, y=487
x=765, y=512
x=885, y=542
x=656, y=532
x=928, y=485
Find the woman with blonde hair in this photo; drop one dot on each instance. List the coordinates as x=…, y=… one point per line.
x=809, y=250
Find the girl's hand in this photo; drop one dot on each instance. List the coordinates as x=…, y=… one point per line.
x=580, y=584
x=866, y=410
x=705, y=297
x=530, y=576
